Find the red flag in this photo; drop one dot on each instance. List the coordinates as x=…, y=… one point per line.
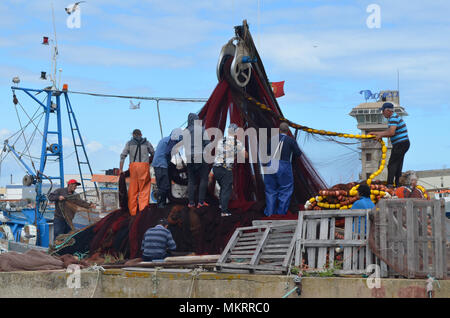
x=45, y=40
x=278, y=88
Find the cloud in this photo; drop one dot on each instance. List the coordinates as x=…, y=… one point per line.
x=109, y=57
x=116, y=149
x=67, y=142
x=94, y=146
x=4, y=133
x=159, y=33
x=338, y=51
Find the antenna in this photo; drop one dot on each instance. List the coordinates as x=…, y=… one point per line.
x=55, y=51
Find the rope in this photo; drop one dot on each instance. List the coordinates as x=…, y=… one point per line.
x=57, y=247
x=23, y=135
x=195, y=273
x=22, y=130
x=155, y=281
x=168, y=99
x=99, y=269
x=290, y=292
x=81, y=256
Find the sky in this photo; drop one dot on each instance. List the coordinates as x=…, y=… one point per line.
x=325, y=51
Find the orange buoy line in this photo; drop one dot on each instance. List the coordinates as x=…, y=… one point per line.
x=352, y=193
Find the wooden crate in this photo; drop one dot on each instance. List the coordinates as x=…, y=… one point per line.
x=317, y=241
x=410, y=235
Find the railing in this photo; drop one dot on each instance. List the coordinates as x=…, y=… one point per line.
x=405, y=237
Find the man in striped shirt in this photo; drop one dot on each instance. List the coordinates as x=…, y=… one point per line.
x=398, y=133
x=157, y=241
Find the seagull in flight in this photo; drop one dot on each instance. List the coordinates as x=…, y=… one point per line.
x=137, y=106
x=73, y=7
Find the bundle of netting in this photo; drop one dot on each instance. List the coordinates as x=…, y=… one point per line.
x=342, y=196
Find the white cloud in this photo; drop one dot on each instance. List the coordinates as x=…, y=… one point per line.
x=94, y=146
x=116, y=149
x=101, y=56
x=162, y=33
x=4, y=133
x=67, y=142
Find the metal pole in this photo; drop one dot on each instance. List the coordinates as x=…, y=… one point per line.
x=159, y=117
x=60, y=143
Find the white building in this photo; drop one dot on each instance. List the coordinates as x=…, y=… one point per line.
x=436, y=182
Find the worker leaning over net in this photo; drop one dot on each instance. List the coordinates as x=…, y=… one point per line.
x=140, y=151
x=160, y=163
x=62, y=222
x=398, y=133
x=279, y=182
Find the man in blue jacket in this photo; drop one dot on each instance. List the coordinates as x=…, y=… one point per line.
x=364, y=201
x=160, y=164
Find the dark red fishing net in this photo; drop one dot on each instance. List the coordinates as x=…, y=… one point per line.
x=204, y=230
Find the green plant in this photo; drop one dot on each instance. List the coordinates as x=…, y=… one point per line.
x=327, y=273
x=337, y=264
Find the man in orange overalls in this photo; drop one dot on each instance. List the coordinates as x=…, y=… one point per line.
x=139, y=150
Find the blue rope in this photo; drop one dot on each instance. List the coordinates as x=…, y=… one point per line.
x=293, y=290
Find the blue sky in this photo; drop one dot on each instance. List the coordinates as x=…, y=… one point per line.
x=322, y=49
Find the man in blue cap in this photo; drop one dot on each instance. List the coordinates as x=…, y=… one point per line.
x=398, y=133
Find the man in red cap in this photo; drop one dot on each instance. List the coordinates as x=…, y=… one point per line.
x=62, y=222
